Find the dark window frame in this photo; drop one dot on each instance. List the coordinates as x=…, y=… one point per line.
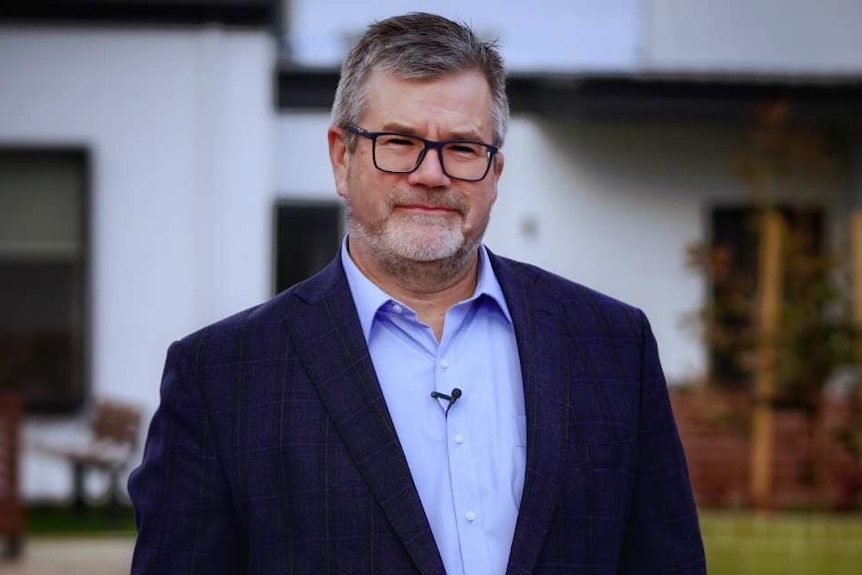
x=82, y=154
x=260, y=14
x=286, y=203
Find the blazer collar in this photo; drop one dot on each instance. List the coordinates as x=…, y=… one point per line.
x=369, y=298
x=325, y=329
x=538, y=331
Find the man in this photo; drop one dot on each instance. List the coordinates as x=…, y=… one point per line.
x=421, y=405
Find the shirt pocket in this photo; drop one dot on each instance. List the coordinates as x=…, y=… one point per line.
x=519, y=457
x=520, y=432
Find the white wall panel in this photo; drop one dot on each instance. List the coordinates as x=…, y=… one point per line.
x=756, y=35
x=179, y=126
x=541, y=35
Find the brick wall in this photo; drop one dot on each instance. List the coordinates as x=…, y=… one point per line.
x=812, y=467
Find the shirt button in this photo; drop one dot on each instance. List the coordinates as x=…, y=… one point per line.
x=397, y=308
x=470, y=515
x=444, y=363
x=459, y=439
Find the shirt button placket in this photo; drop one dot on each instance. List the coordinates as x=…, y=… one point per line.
x=465, y=491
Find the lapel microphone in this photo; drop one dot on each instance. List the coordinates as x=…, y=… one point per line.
x=456, y=393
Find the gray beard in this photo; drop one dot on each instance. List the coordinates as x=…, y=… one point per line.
x=410, y=259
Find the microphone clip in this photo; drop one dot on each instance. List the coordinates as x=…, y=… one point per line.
x=451, y=398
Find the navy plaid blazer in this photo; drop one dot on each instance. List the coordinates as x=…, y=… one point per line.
x=272, y=451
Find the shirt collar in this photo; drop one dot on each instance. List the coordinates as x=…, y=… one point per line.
x=369, y=298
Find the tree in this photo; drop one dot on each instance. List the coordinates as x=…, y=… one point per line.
x=780, y=323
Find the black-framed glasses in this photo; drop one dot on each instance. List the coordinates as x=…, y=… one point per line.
x=398, y=153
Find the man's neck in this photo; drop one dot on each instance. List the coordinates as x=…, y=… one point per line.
x=429, y=288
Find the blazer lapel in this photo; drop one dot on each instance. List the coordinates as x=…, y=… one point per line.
x=538, y=330
x=325, y=329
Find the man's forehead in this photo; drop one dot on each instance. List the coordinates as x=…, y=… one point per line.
x=383, y=75
x=463, y=98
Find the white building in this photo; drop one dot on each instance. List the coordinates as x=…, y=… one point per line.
x=155, y=162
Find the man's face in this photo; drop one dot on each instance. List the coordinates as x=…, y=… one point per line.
x=424, y=215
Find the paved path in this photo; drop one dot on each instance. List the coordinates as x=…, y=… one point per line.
x=72, y=556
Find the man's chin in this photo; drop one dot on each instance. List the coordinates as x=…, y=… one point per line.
x=423, y=242
x=400, y=242
x=419, y=251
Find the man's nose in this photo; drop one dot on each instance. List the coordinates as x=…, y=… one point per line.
x=430, y=171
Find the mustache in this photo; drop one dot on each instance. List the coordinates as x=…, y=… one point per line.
x=434, y=199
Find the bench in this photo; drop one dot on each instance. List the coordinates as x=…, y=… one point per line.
x=114, y=432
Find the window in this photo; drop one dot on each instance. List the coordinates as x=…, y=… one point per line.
x=43, y=277
x=734, y=246
x=308, y=236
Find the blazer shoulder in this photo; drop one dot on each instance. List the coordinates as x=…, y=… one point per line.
x=270, y=315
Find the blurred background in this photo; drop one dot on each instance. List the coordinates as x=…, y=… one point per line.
x=164, y=164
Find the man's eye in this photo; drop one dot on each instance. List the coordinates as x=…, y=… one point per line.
x=397, y=142
x=464, y=149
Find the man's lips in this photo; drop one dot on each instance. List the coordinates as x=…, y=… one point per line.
x=431, y=209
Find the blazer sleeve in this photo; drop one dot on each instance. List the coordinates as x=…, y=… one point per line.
x=183, y=505
x=663, y=534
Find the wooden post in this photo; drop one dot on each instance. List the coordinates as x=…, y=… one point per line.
x=11, y=505
x=856, y=258
x=769, y=295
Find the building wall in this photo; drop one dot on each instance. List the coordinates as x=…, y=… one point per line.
x=583, y=34
x=179, y=127
x=621, y=35
x=762, y=36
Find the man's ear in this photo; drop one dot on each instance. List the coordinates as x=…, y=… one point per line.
x=499, y=161
x=339, y=157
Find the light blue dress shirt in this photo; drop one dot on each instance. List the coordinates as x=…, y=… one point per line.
x=468, y=466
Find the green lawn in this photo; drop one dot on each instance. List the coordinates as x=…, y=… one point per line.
x=785, y=544
x=736, y=543
x=62, y=521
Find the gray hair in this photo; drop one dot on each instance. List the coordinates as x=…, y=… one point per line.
x=419, y=45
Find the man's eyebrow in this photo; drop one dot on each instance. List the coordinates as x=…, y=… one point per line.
x=468, y=136
x=400, y=128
